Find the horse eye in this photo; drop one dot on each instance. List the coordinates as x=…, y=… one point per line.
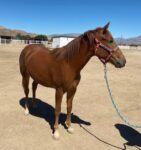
x=111, y=41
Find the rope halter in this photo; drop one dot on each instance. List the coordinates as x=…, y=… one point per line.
x=109, y=50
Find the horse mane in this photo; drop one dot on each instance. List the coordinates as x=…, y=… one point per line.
x=73, y=48
x=68, y=51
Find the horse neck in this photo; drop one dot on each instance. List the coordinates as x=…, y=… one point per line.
x=76, y=54
x=80, y=60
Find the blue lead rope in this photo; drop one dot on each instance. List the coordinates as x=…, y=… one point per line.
x=114, y=104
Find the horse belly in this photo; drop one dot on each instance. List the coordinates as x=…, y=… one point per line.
x=41, y=77
x=40, y=72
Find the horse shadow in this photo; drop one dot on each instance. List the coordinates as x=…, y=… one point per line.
x=46, y=111
x=132, y=136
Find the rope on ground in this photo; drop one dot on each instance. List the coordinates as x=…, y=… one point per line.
x=114, y=104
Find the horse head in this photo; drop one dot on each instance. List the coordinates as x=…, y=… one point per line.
x=102, y=43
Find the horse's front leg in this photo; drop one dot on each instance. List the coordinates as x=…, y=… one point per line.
x=58, y=100
x=70, y=95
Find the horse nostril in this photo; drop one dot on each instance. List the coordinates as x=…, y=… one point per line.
x=124, y=62
x=120, y=63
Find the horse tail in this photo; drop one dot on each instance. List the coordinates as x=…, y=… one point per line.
x=23, y=70
x=22, y=65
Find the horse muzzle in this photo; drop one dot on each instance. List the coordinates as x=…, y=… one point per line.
x=120, y=63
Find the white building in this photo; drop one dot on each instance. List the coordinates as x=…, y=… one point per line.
x=59, y=41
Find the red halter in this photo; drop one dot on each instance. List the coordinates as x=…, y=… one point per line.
x=109, y=50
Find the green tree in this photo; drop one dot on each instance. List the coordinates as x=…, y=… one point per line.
x=26, y=37
x=41, y=38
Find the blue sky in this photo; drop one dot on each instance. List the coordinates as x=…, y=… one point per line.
x=72, y=16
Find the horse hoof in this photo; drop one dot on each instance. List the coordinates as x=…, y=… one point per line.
x=71, y=130
x=26, y=112
x=56, y=135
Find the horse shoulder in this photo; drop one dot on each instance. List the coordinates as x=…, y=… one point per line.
x=75, y=82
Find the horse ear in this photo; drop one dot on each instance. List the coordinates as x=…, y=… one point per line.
x=89, y=37
x=106, y=27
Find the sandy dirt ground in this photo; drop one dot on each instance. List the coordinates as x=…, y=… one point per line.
x=96, y=124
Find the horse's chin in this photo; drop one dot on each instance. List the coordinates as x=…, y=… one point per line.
x=118, y=63
x=118, y=66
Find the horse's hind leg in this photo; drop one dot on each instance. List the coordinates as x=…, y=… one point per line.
x=34, y=88
x=70, y=95
x=25, y=82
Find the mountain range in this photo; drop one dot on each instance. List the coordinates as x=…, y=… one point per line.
x=13, y=33
x=129, y=41
x=121, y=41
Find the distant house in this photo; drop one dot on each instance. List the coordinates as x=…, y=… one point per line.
x=61, y=40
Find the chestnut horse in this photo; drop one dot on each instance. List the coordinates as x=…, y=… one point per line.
x=60, y=68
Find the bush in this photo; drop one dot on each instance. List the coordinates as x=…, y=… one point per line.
x=41, y=38
x=28, y=37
